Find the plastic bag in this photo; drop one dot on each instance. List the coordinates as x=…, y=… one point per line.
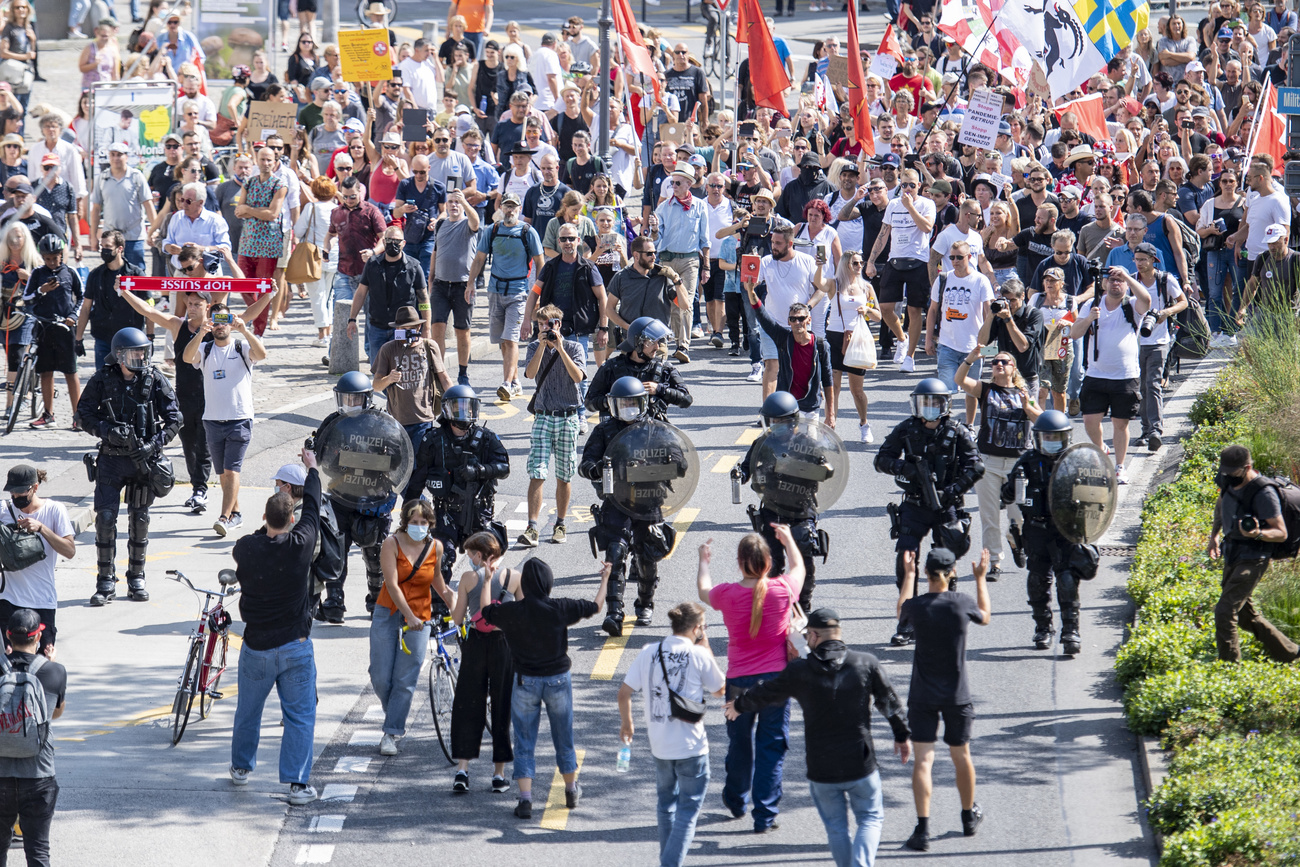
x=861, y=352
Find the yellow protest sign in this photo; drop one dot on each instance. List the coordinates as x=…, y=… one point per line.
x=365, y=55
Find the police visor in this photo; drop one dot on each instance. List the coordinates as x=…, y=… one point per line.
x=135, y=357
x=462, y=410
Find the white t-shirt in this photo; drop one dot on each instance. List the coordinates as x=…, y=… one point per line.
x=1115, y=355
x=1160, y=335
x=546, y=62
x=1262, y=212
x=33, y=587
x=227, y=382
x=422, y=79
x=906, y=241
x=623, y=162
x=692, y=672
x=788, y=281
x=719, y=219
x=961, y=309
x=519, y=184
x=951, y=235
x=808, y=245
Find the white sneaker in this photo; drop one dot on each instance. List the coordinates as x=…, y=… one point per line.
x=909, y=364
x=1121, y=475
x=239, y=776
x=301, y=793
x=900, y=352
x=1229, y=340
x=235, y=520
x=388, y=745
x=220, y=526
x=865, y=430
x=697, y=332
x=320, y=342
x=516, y=390
x=755, y=372
x=504, y=392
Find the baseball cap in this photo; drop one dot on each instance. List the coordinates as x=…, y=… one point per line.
x=822, y=618
x=1147, y=249
x=1194, y=66
x=116, y=147
x=20, y=187
x=1070, y=193
x=1233, y=458
x=26, y=623
x=320, y=82
x=354, y=125
x=510, y=198
x=890, y=160
x=1225, y=32
x=941, y=186
x=292, y=474
x=1004, y=128
x=50, y=159
x=698, y=161
x=1273, y=232
x=939, y=560
x=21, y=477
x=175, y=15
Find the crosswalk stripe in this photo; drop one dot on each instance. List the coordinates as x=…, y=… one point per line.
x=748, y=435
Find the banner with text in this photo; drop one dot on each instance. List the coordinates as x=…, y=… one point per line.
x=979, y=126
x=250, y=286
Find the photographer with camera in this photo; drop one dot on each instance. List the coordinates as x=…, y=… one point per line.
x=557, y=415
x=1155, y=340
x=1016, y=328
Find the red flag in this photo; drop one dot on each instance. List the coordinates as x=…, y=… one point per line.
x=889, y=56
x=1088, y=110
x=767, y=74
x=858, y=105
x=1268, y=136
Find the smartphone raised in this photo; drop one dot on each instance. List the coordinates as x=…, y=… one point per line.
x=989, y=351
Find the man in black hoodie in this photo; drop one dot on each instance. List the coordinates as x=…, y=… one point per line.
x=835, y=686
x=537, y=629
x=809, y=184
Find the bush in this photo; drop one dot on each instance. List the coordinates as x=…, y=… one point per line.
x=1156, y=648
x=1278, y=597
x=1242, y=837
x=1259, y=695
x=1222, y=400
x=1214, y=775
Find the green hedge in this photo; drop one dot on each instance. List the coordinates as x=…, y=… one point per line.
x=1241, y=837
x=1252, y=694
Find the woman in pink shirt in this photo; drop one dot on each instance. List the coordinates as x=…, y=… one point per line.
x=756, y=612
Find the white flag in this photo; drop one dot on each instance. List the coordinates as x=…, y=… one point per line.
x=1054, y=35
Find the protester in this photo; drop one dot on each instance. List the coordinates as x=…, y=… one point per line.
x=33, y=588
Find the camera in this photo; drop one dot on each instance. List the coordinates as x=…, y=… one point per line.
x=911, y=161
x=1249, y=524
x=1149, y=323
x=1187, y=124
x=223, y=319
x=997, y=305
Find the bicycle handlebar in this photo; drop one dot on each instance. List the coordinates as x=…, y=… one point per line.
x=179, y=577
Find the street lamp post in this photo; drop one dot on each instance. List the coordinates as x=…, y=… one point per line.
x=605, y=21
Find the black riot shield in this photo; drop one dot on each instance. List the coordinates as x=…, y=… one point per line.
x=364, y=458
x=1081, y=493
x=654, y=468
x=800, y=467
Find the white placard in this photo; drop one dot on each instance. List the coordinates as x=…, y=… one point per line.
x=979, y=126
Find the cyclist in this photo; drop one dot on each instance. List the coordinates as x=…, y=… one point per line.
x=54, y=292
x=18, y=259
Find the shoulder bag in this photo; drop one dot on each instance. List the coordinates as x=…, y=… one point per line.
x=304, y=265
x=18, y=548
x=679, y=707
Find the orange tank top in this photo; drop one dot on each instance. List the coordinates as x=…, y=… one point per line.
x=416, y=588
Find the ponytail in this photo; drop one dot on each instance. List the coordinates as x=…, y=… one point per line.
x=755, y=562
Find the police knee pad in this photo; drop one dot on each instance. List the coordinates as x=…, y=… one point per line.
x=106, y=527
x=138, y=525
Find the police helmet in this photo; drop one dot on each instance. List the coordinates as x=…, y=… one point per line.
x=780, y=405
x=627, y=400
x=132, y=348
x=353, y=392
x=50, y=243
x=930, y=399
x=460, y=404
x=1052, y=431
x=645, y=329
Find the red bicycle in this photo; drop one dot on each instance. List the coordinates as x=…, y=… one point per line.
x=206, y=660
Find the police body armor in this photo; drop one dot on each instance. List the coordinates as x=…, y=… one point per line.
x=671, y=389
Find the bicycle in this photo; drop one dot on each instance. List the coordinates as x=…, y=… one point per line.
x=715, y=29
x=26, y=381
x=362, y=5
x=206, y=660
x=444, y=666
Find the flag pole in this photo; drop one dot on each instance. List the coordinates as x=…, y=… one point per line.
x=960, y=77
x=605, y=21
x=1254, y=124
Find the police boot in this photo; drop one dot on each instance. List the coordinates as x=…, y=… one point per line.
x=135, y=588
x=136, y=546
x=105, y=547
x=1043, y=631
x=1070, y=642
x=647, y=579
x=903, y=636
x=331, y=608
x=374, y=576
x=613, y=623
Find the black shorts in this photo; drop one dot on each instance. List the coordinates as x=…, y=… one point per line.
x=55, y=353
x=835, y=340
x=911, y=285
x=717, y=279
x=448, y=299
x=958, y=720
x=13, y=349
x=1121, y=397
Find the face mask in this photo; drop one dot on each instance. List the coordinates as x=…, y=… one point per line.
x=108, y=255
x=417, y=532
x=1222, y=480
x=930, y=413
x=1051, y=447
x=629, y=413
x=22, y=501
x=393, y=247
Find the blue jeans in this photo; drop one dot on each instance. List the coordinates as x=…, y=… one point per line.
x=134, y=251
x=1223, y=271
x=102, y=349
x=291, y=669
x=863, y=797
x=77, y=11
x=756, y=334
x=680, y=784
x=345, y=287
x=416, y=432
x=1076, y=371
x=755, y=757
x=421, y=253
x=530, y=693
x=393, y=673
x=949, y=360
x=375, y=338
x=476, y=39
x=585, y=340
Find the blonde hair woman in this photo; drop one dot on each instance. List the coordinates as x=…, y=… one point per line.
x=999, y=248
x=851, y=296
x=18, y=259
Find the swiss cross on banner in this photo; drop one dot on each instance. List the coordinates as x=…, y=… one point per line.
x=248, y=286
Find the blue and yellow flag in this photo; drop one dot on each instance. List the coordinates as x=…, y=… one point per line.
x=1111, y=25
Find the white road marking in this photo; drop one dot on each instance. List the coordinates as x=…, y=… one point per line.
x=327, y=824
x=339, y=792
x=366, y=738
x=314, y=853
x=352, y=765
x=374, y=713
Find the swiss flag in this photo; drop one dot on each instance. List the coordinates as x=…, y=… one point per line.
x=1269, y=133
x=1088, y=110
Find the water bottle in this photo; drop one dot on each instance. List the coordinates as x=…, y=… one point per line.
x=624, y=758
x=735, y=486
x=1021, y=484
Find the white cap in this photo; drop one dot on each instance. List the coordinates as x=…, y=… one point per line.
x=292, y=474
x=1194, y=66
x=1273, y=232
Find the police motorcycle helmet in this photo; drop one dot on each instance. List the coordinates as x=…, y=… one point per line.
x=132, y=348
x=627, y=400
x=645, y=329
x=353, y=392
x=931, y=399
x=779, y=406
x=1052, y=432
x=460, y=405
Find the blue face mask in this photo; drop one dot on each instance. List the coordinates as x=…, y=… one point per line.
x=417, y=532
x=930, y=413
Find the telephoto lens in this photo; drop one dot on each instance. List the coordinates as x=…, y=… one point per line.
x=997, y=305
x=1149, y=322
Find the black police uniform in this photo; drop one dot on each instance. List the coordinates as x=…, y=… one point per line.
x=671, y=389
x=811, y=541
x=1047, y=552
x=134, y=419
x=950, y=456
x=460, y=475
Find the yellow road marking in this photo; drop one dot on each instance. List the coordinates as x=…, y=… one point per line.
x=681, y=523
x=507, y=410
x=725, y=463
x=748, y=436
x=607, y=662
x=556, y=815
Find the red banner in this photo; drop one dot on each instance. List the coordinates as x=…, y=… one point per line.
x=251, y=286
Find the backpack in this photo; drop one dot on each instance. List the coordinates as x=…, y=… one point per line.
x=24, y=711
x=239, y=350
x=492, y=239
x=1130, y=316
x=1289, y=496
x=1191, y=243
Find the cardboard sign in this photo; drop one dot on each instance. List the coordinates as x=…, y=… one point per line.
x=979, y=126
x=1000, y=181
x=837, y=71
x=365, y=55
x=413, y=121
x=672, y=132
x=1037, y=84
x=279, y=116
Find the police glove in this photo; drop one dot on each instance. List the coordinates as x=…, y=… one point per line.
x=469, y=473
x=119, y=436
x=898, y=467
x=952, y=493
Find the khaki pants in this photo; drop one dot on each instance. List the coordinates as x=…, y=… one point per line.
x=988, y=493
x=1235, y=608
x=688, y=268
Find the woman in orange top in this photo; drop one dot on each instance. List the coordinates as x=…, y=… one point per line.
x=410, y=559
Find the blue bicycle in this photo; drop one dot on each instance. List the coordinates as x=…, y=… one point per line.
x=444, y=666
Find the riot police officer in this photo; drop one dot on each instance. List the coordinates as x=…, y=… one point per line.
x=640, y=358
x=799, y=511
x=934, y=460
x=644, y=538
x=1047, y=551
x=459, y=464
x=131, y=407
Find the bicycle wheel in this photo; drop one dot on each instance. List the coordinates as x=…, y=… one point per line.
x=22, y=385
x=213, y=667
x=442, y=691
x=361, y=12
x=185, y=692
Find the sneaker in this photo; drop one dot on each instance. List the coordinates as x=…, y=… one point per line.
x=697, y=332
x=1074, y=408
x=239, y=776
x=198, y=503
x=864, y=430
x=909, y=364
x=189, y=504
x=995, y=572
x=503, y=392
x=516, y=390
x=320, y=343
x=970, y=820
x=1121, y=475
x=582, y=427
x=900, y=352
x=755, y=372
x=46, y=419
x=220, y=526
x=716, y=340
x=919, y=841
x=1154, y=443
x=460, y=785
x=75, y=33
x=558, y=535
x=734, y=352
x=571, y=796
x=388, y=745
x=463, y=379
x=500, y=785
x=524, y=810
x=1043, y=637
x=301, y=793
x=528, y=538
x=235, y=520
x=681, y=355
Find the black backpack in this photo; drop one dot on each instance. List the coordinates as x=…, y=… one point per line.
x=1289, y=496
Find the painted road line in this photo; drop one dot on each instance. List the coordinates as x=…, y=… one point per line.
x=556, y=815
x=314, y=853
x=374, y=713
x=341, y=793
x=725, y=463
x=366, y=738
x=748, y=436
x=327, y=824
x=290, y=407
x=607, y=662
x=352, y=765
x=681, y=523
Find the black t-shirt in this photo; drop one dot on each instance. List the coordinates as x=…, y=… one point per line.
x=189, y=379
x=1030, y=322
x=688, y=86
x=940, y=621
x=390, y=285
x=161, y=180
x=565, y=127
x=1027, y=208
x=59, y=303
x=505, y=135
x=108, y=312
x=1075, y=223
x=540, y=205
x=1274, y=274
x=942, y=220
x=1034, y=248
x=578, y=177
x=447, y=51
x=742, y=195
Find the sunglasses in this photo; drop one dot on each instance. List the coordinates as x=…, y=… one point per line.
x=391, y=147
x=717, y=186
x=681, y=52
x=1000, y=362
x=171, y=146
x=442, y=141
x=957, y=258
x=419, y=171
x=568, y=240
x=909, y=186
x=797, y=319
x=188, y=201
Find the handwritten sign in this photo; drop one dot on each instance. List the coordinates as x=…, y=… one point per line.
x=281, y=117
x=365, y=55
x=837, y=70
x=979, y=126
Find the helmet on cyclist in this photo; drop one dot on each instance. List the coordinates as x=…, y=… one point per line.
x=353, y=392
x=779, y=406
x=1052, y=432
x=131, y=347
x=579, y=67
x=50, y=244
x=627, y=400
x=460, y=405
x=930, y=399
